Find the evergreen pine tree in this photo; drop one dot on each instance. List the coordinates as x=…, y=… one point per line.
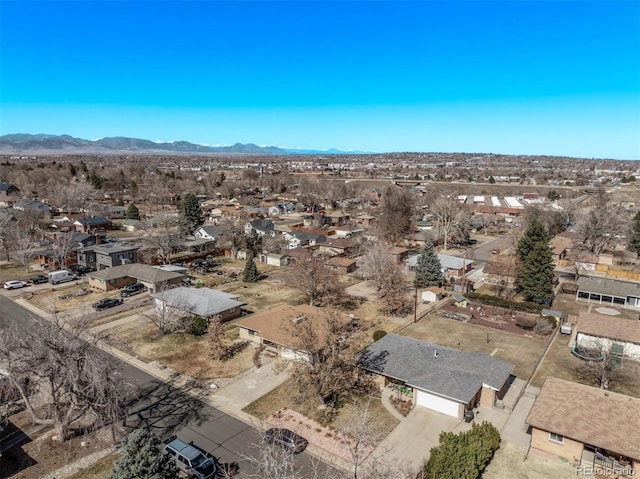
x=133, y=213
x=535, y=277
x=635, y=233
x=142, y=458
x=191, y=217
x=536, y=232
x=250, y=273
x=428, y=268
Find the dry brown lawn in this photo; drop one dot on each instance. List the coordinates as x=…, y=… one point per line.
x=520, y=350
x=560, y=363
x=509, y=462
x=180, y=351
x=285, y=396
x=99, y=470
x=11, y=270
x=45, y=299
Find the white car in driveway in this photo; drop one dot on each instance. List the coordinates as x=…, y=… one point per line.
x=15, y=284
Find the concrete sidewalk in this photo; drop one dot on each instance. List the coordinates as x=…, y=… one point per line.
x=515, y=430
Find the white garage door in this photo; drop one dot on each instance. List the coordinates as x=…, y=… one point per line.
x=437, y=403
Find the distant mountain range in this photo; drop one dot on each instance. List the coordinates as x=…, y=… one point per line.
x=41, y=143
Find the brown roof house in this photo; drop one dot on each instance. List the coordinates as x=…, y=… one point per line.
x=152, y=277
x=276, y=328
x=341, y=265
x=445, y=380
x=502, y=272
x=609, y=333
x=592, y=428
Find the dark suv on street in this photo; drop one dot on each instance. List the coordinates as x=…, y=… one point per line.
x=132, y=289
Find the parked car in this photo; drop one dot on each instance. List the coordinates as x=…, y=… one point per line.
x=287, y=439
x=62, y=276
x=132, y=289
x=82, y=270
x=106, y=303
x=39, y=279
x=192, y=460
x=15, y=284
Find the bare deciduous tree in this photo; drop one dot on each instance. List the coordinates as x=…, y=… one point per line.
x=71, y=384
x=217, y=340
x=167, y=318
x=62, y=247
x=309, y=275
x=387, y=277
x=325, y=372
x=603, y=224
x=607, y=371
x=397, y=211
x=164, y=238
x=447, y=215
x=21, y=238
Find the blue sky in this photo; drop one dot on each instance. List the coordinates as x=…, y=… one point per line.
x=518, y=77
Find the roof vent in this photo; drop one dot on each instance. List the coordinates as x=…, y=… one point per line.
x=435, y=354
x=299, y=319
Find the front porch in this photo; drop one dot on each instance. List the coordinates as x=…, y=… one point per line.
x=600, y=462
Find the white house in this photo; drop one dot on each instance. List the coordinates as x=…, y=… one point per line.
x=449, y=381
x=609, y=333
x=207, y=232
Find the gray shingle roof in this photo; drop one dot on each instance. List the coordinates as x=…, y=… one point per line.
x=203, y=302
x=450, y=373
x=608, y=286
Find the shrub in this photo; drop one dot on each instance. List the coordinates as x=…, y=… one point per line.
x=463, y=455
x=526, y=322
x=379, y=334
x=198, y=325
x=505, y=303
x=544, y=325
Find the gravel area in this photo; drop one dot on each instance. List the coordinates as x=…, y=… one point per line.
x=80, y=464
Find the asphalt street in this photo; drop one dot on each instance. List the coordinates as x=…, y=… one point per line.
x=168, y=410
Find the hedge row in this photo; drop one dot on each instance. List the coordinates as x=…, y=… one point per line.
x=505, y=303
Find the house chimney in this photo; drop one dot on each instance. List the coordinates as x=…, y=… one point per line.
x=97, y=238
x=435, y=354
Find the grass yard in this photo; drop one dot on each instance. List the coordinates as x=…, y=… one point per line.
x=46, y=298
x=509, y=463
x=181, y=351
x=11, y=270
x=284, y=396
x=520, y=350
x=560, y=363
x=99, y=470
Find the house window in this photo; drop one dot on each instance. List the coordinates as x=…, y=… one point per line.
x=251, y=333
x=553, y=437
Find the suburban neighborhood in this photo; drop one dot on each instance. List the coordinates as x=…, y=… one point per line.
x=370, y=318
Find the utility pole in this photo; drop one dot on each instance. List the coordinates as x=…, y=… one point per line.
x=415, y=306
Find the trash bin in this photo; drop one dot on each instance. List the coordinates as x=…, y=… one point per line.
x=468, y=415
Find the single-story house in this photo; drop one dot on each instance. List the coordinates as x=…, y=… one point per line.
x=117, y=277
x=399, y=254
x=451, y=266
x=586, y=426
x=608, y=291
x=275, y=328
x=93, y=224
x=559, y=246
x=341, y=265
x=365, y=220
x=203, y=302
x=442, y=379
x=337, y=246
x=601, y=332
x=502, y=272
x=132, y=225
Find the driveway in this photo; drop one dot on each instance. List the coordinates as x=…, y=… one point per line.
x=253, y=385
x=410, y=442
